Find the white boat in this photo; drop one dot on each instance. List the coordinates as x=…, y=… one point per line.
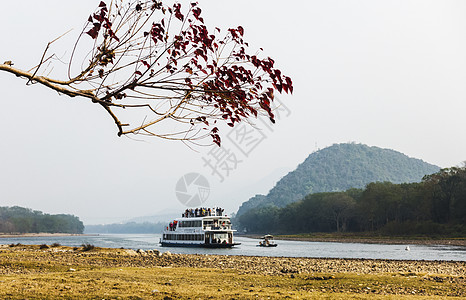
x=200, y=227
x=267, y=241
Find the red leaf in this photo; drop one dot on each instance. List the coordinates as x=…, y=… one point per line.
x=216, y=138
x=177, y=10
x=289, y=83
x=145, y=64
x=197, y=13
x=241, y=30
x=102, y=4
x=285, y=88
x=278, y=87
x=94, y=32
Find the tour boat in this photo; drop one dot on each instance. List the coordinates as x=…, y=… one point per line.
x=200, y=227
x=267, y=241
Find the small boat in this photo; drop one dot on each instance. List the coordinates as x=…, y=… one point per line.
x=267, y=241
x=200, y=227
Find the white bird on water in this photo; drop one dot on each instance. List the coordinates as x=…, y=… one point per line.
x=407, y=248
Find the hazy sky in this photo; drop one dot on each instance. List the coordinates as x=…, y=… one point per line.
x=389, y=73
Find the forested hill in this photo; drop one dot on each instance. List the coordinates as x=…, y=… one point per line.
x=24, y=220
x=339, y=168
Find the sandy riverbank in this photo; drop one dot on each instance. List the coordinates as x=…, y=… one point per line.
x=248, y=264
x=36, y=272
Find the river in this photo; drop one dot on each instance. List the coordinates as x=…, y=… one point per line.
x=248, y=247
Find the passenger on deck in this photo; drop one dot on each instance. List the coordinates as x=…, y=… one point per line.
x=202, y=212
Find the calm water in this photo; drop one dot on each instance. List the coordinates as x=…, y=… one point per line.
x=248, y=247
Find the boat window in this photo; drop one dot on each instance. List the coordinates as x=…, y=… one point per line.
x=195, y=223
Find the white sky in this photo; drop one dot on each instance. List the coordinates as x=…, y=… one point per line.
x=384, y=73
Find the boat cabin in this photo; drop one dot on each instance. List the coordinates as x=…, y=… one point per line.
x=200, y=227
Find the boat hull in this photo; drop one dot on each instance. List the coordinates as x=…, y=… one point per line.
x=168, y=244
x=273, y=245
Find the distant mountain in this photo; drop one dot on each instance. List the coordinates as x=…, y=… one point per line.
x=339, y=168
x=164, y=216
x=127, y=228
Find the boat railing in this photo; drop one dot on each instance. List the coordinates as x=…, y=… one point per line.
x=203, y=212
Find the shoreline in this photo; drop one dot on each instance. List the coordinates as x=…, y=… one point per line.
x=368, y=240
x=42, y=234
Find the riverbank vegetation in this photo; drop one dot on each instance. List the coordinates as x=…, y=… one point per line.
x=19, y=220
x=434, y=207
x=28, y=272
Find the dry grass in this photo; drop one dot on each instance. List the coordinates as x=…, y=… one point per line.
x=27, y=272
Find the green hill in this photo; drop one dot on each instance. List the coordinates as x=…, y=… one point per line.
x=339, y=168
x=25, y=220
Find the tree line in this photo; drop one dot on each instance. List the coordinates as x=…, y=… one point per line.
x=24, y=220
x=434, y=206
